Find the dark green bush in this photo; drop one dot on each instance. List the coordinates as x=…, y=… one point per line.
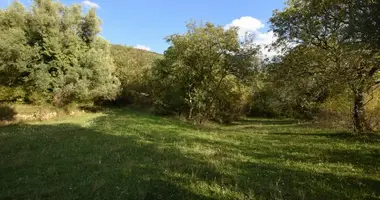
x=8, y=94
x=7, y=113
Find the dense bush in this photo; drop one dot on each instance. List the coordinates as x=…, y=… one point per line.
x=7, y=113
x=53, y=52
x=12, y=94
x=336, y=111
x=202, y=74
x=333, y=43
x=263, y=103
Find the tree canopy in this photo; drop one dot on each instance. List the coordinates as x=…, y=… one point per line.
x=345, y=32
x=54, y=53
x=202, y=73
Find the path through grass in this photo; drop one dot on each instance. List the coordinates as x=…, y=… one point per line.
x=130, y=155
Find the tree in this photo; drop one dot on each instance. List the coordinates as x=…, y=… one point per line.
x=90, y=26
x=201, y=73
x=297, y=84
x=346, y=32
x=15, y=54
x=53, y=51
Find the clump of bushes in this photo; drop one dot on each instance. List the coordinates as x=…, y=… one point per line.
x=200, y=78
x=7, y=113
x=51, y=53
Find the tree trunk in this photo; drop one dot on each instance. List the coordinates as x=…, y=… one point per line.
x=190, y=116
x=359, y=111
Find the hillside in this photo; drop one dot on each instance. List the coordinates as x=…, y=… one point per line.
x=126, y=56
x=131, y=66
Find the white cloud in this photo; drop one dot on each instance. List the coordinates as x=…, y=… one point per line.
x=142, y=47
x=246, y=25
x=251, y=25
x=90, y=4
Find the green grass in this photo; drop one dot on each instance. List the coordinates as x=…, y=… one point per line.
x=125, y=154
x=32, y=109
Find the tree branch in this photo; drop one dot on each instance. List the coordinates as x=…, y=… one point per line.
x=375, y=88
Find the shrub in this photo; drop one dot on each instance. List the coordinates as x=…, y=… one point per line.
x=7, y=113
x=8, y=94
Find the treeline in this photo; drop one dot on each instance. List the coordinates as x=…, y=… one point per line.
x=205, y=74
x=327, y=68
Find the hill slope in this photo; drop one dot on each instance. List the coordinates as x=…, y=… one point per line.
x=131, y=66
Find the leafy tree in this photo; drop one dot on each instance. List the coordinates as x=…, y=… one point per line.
x=346, y=33
x=296, y=85
x=90, y=26
x=54, y=53
x=201, y=74
x=15, y=53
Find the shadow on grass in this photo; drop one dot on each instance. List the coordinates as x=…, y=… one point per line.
x=273, y=182
x=346, y=136
x=259, y=121
x=129, y=155
x=71, y=162
x=304, y=151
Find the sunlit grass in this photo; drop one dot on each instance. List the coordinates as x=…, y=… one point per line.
x=123, y=154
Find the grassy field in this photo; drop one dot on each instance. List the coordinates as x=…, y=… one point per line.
x=124, y=154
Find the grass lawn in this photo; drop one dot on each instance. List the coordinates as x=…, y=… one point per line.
x=124, y=154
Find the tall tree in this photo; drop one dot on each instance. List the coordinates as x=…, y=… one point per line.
x=15, y=53
x=55, y=53
x=201, y=70
x=346, y=32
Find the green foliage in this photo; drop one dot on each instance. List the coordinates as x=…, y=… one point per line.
x=336, y=111
x=339, y=32
x=132, y=66
x=90, y=27
x=54, y=53
x=12, y=94
x=295, y=86
x=7, y=113
x=265, y=103
x=201, y=74
x=15, y=53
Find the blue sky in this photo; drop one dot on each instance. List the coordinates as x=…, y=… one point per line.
x=144, y=23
